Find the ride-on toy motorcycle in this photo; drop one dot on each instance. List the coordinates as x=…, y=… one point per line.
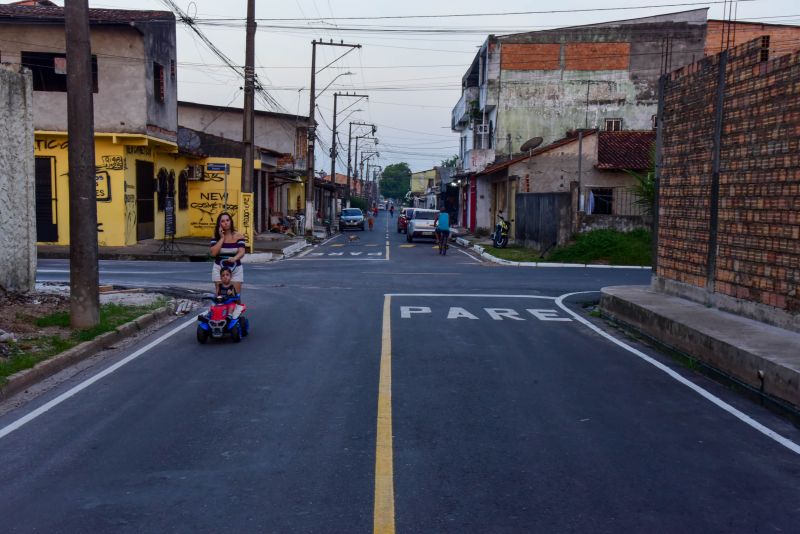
x=225, y=316
x=500, y=234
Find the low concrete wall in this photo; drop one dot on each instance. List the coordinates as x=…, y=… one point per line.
x=17, y=181
x=621, y=223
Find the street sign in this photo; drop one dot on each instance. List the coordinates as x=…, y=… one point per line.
x=218, y=167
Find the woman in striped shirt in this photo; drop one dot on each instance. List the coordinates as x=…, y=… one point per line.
x=228, y=248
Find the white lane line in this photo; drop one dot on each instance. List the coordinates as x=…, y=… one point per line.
x=329, y=240
x=468, y=296
x=110, y=271
x=86, y=383
x=470, y=256
x=789, y=444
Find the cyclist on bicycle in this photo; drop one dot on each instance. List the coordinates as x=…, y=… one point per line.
x=442, y=229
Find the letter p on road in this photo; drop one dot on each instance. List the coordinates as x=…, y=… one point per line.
x=406, y=311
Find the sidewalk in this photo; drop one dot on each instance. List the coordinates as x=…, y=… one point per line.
x=266, y=247
x=764, y=357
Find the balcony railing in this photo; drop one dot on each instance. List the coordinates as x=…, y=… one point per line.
x=462, y=110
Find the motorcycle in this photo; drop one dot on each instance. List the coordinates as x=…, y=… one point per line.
x=500, y=234
x=225, y=316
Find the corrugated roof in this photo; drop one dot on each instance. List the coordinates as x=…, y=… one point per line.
x=625, y=150
x=43, y=14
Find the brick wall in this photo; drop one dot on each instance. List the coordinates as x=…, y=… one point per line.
x=758, y=229
x=598, y=56
x=531, y=57
x=783, y=39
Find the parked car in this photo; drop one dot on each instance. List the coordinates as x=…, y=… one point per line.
x=402, y=220
x=351, y=218
x=421, y=224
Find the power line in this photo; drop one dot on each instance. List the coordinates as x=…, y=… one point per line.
x=495, y=14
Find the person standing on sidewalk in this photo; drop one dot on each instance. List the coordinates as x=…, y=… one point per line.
x=227, y=248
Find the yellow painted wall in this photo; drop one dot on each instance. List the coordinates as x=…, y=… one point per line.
x=115, y=157
x=419, y=180
x=206, y=197
x=297, y=198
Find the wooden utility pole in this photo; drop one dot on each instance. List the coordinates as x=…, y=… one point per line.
x=84, y=273
x=249, y=99
x=312, y=132
x=312, y=128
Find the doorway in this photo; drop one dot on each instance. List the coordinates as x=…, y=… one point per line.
x=46, y=202
x=145, y=200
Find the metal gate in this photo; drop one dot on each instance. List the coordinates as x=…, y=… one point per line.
x=542, y=220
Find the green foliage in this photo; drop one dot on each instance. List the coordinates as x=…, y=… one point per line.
x=358, y=202
x=396, y=180
x=25, y=354
x=451, y=162
x=606, y=247
x=645, y=187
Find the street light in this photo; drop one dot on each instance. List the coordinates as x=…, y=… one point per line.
x=348, y=73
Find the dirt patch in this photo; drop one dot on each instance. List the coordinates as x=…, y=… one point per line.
x=20, y=311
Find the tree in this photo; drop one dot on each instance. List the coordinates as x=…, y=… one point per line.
x=396, y=180
x=451, y=162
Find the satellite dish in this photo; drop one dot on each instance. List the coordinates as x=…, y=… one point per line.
x=530, y=144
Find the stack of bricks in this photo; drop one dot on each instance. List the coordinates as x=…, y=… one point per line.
x=758, y=240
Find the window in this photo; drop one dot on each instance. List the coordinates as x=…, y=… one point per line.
x=601, y=201
x=158, y=82
x=613, y=125
x=49, y=71
x=764, y=48
x=482, y=137
x=183, y=191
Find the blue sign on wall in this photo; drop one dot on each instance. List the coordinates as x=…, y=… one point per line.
x=218, y=167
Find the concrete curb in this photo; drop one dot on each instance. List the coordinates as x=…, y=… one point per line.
x=23, y=379
x=764, y=357
x=482, y=252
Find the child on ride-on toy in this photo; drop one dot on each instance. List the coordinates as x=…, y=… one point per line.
x=227, y=290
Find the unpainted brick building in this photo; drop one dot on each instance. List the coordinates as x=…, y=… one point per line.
x=729, y=170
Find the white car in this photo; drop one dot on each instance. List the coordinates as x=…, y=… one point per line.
x=421, y=224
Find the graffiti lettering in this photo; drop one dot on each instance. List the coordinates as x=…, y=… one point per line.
x=214, y=176
x=139, y=150
x=99, y=227
x=51, y=144
x=112, y=163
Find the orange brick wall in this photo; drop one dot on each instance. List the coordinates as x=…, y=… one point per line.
x=530, y=57
x=757, y=257
x=598, y=56
x=783, y=39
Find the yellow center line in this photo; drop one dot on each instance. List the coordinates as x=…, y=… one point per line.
x=383, y=518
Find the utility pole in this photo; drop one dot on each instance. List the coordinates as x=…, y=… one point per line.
x=84, y=276
x=312, y=128
x=249, y=99
x=349, y=141
x=333, y=142
x=312, y=132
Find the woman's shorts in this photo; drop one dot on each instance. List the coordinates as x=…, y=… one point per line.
x=237, y=275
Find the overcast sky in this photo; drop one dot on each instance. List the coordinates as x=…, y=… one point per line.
x=411, y=66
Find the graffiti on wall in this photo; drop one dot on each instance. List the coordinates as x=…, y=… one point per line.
x=246, y=219
x=130, y=212
x=51, y=144
x=206, y=206
x=139, y=150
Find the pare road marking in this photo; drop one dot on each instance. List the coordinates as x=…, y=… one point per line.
x=496, y=314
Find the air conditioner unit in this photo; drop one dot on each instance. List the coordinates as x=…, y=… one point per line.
x=483, y=129
x=195, y=172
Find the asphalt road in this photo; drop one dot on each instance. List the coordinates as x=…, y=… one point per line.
x=386, y=387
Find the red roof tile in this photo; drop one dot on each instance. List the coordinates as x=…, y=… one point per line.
x=625, y=150
x=43, y=14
